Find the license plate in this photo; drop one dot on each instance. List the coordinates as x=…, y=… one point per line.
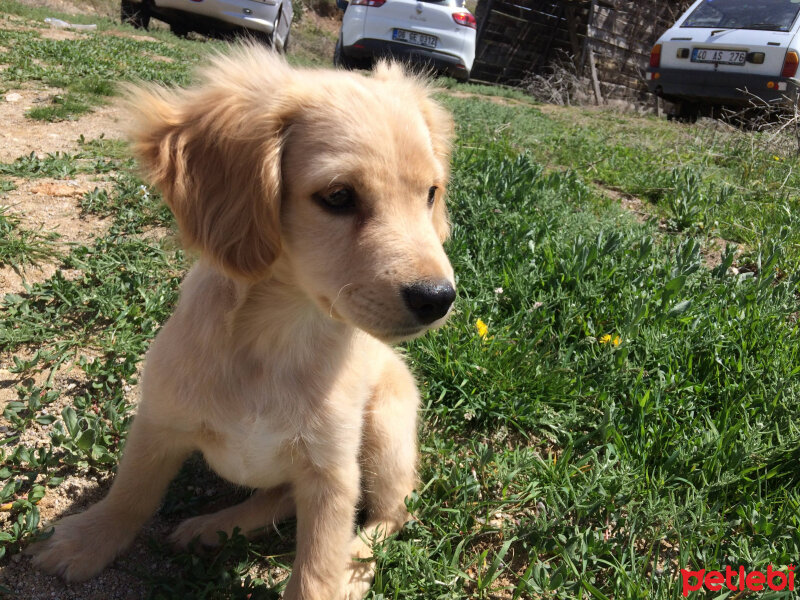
x=721, y=57
x=412, y=37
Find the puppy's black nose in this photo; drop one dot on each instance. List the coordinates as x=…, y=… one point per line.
x=429, y=300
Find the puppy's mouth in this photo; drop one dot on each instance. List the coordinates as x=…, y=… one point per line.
x=390, y=319
x=389, y=334
x=394, y=333
x=399, y=335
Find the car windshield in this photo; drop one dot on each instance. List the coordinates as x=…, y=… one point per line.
x=771, y=15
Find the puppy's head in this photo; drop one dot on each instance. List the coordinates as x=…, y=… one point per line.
x=341, y=177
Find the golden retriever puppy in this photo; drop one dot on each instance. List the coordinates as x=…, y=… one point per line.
x=315, y=199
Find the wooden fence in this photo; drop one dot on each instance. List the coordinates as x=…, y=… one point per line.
x=608, y=38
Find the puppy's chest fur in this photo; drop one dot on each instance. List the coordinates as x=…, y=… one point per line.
x=257, y=416
x=280, y=429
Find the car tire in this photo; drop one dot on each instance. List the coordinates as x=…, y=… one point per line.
x=339, y=59
x=179, y=30
x=136, y=14
x=273, y=39
x=688, y=112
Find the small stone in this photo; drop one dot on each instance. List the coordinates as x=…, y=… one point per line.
x=13, y=97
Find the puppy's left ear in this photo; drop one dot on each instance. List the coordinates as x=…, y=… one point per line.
x=442, y=130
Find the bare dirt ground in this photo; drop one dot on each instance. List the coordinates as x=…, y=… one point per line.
x=20, y=135
x=495, y=99
x=631, y=203
x=50, y=204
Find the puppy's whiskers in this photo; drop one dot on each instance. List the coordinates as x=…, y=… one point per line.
x=330, y=312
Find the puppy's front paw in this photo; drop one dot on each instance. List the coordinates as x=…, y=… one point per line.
x=360, y=570
x=80, y=547
x=205, y=528
x=358, y=580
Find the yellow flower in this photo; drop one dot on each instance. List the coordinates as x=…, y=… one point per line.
x=483, y=328
x=608, y=339
x=776, y=157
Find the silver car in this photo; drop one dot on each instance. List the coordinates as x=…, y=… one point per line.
x=729, y=53
x=263, y=18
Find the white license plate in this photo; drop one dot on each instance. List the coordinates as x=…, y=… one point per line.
x=722, y=57
x=412, y=37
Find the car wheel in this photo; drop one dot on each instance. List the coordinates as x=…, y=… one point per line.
x=273, y=39
x=179, y=29
x=339, y=59
x=688, y=112
x=136, y=14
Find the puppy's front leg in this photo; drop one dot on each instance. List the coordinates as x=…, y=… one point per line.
x=83, y=544
x=325, y=504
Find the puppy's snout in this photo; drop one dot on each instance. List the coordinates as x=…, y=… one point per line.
x=429, y=300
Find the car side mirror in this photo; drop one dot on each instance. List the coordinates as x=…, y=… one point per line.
x=342, y=4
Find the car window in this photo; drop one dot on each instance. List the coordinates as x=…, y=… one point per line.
x=769, y=15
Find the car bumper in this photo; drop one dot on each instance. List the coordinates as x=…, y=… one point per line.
x=720, y=87
x=216, y=14
x=371, y=48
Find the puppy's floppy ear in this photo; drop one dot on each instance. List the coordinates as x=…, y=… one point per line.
x=215, y=153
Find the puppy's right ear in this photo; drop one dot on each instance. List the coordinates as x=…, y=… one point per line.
x=216, y=157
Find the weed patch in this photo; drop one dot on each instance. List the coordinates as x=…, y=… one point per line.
x=63, y=107
x=21, y=247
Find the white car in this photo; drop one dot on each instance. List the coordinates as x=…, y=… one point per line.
x=269, y=18
x=438, y=33
x=728, y=52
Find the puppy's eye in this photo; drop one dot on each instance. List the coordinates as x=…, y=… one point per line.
x=342, y=200
x=432, y=195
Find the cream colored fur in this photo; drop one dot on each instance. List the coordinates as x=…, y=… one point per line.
x=275, y=363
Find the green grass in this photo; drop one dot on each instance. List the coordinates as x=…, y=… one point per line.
x=706, y=178
x=61, y=108
x=631, y=410
x=21, y=247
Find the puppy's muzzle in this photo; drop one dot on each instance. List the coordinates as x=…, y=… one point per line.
x=429, y=301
